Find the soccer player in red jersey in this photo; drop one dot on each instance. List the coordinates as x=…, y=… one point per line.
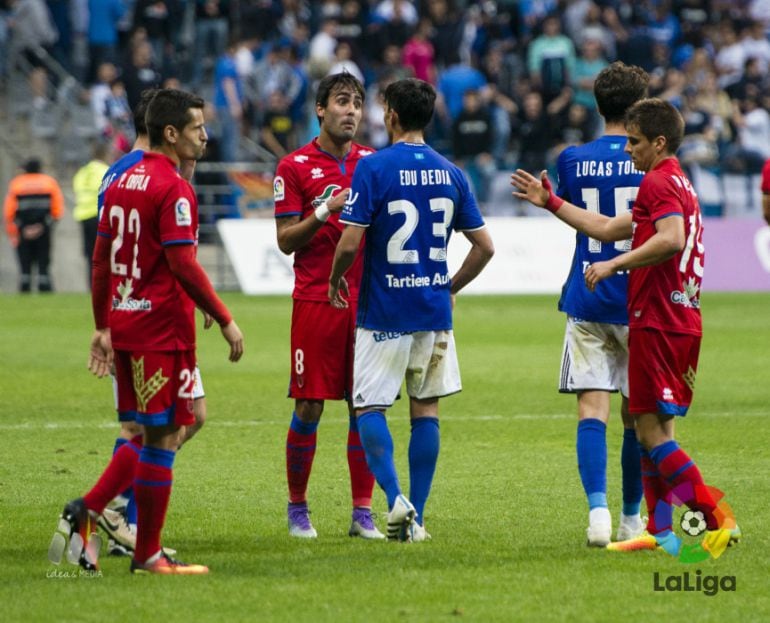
x=310, y=189
x=146, y=285
x=765, y=187
x=666, y=269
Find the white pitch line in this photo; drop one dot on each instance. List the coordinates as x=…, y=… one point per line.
x=214, y=423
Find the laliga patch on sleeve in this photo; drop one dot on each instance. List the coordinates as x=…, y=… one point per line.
x=183, y=212
x=278, y=189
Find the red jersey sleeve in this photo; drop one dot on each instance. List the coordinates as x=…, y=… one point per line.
x=178, y=214
x=663, y=196
x=287, y=190
x=766, y=178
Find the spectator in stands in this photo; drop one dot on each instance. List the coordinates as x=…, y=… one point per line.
x=551, y=62
x=343, y=62
x=398, y=19
x=716, y=101
x=447, y=37
x=155, y=16
x=278, y=132
x=578, y=128
x=99, y=92
x=749, y=153
x=119, y=116
x=211, y=35
x=31, y=28
x=418, y=53
x=699, y=146
x=276, y=73
x=587, y=66
x=472, y=135
x=33, y=203
x=103, y=19
x=350, y=29
x=534, y=131
x=751, y=83
x=731, y=57
x=755, y=45
x=229, y=102
x=392, y=64
x=503, y=73
x=141, y=72
x=453, y=82
x=663, y=25
x=322, y=47
x=85, y=186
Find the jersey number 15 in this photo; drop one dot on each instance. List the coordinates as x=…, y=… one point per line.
x=624, y=196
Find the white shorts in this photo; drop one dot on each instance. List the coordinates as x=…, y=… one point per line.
x=595, y=357
x=197, y=391
x=428, y=360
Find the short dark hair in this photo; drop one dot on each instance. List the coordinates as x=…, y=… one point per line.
x=33, y=165
x=413, y=101
x=617, y=87
x=656, y=117
x=169, y=107
x=140, y=111
x=334, y=82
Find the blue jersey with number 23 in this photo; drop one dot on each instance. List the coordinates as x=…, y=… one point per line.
x=410, y=198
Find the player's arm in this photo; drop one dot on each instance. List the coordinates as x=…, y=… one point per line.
x=766, y=207
x=194, y=281
x=481, y=251
x=294, y=233
x=100, y=351
x=668, y=240
x=539, y=192
x=344, y=256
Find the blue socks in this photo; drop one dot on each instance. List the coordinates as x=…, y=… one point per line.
x=423, y=454
x=128, y=493
x=378, y=446
x=631, y=464
x=592, y=460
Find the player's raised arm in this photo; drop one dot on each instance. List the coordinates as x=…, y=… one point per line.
x=539, y=192
x=293, y=233
x=481, y=251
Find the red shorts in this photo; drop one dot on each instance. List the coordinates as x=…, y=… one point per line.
x=661, y=371
x=155, y=388
x=321, y=350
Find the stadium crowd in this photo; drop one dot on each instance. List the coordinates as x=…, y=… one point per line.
x=514, y=77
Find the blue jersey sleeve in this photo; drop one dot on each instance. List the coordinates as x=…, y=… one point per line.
x=359, y=207
x=468, y=215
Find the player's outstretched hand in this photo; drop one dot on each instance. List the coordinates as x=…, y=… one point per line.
x=234, y=337
x=530, y=188
x=336, y=203
x=101, y=354
x=336, y=293
x=596, y=272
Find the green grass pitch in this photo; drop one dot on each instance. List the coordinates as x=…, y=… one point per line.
x=507, y=513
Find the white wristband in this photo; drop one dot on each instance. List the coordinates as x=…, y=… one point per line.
x=322, y=212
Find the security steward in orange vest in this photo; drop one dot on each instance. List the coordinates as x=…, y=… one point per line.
x=33, y=203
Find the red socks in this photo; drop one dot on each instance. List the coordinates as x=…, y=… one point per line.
x=116, y=478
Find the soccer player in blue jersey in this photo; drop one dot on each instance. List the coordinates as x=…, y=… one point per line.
x=407, y=199
x=600, y=177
